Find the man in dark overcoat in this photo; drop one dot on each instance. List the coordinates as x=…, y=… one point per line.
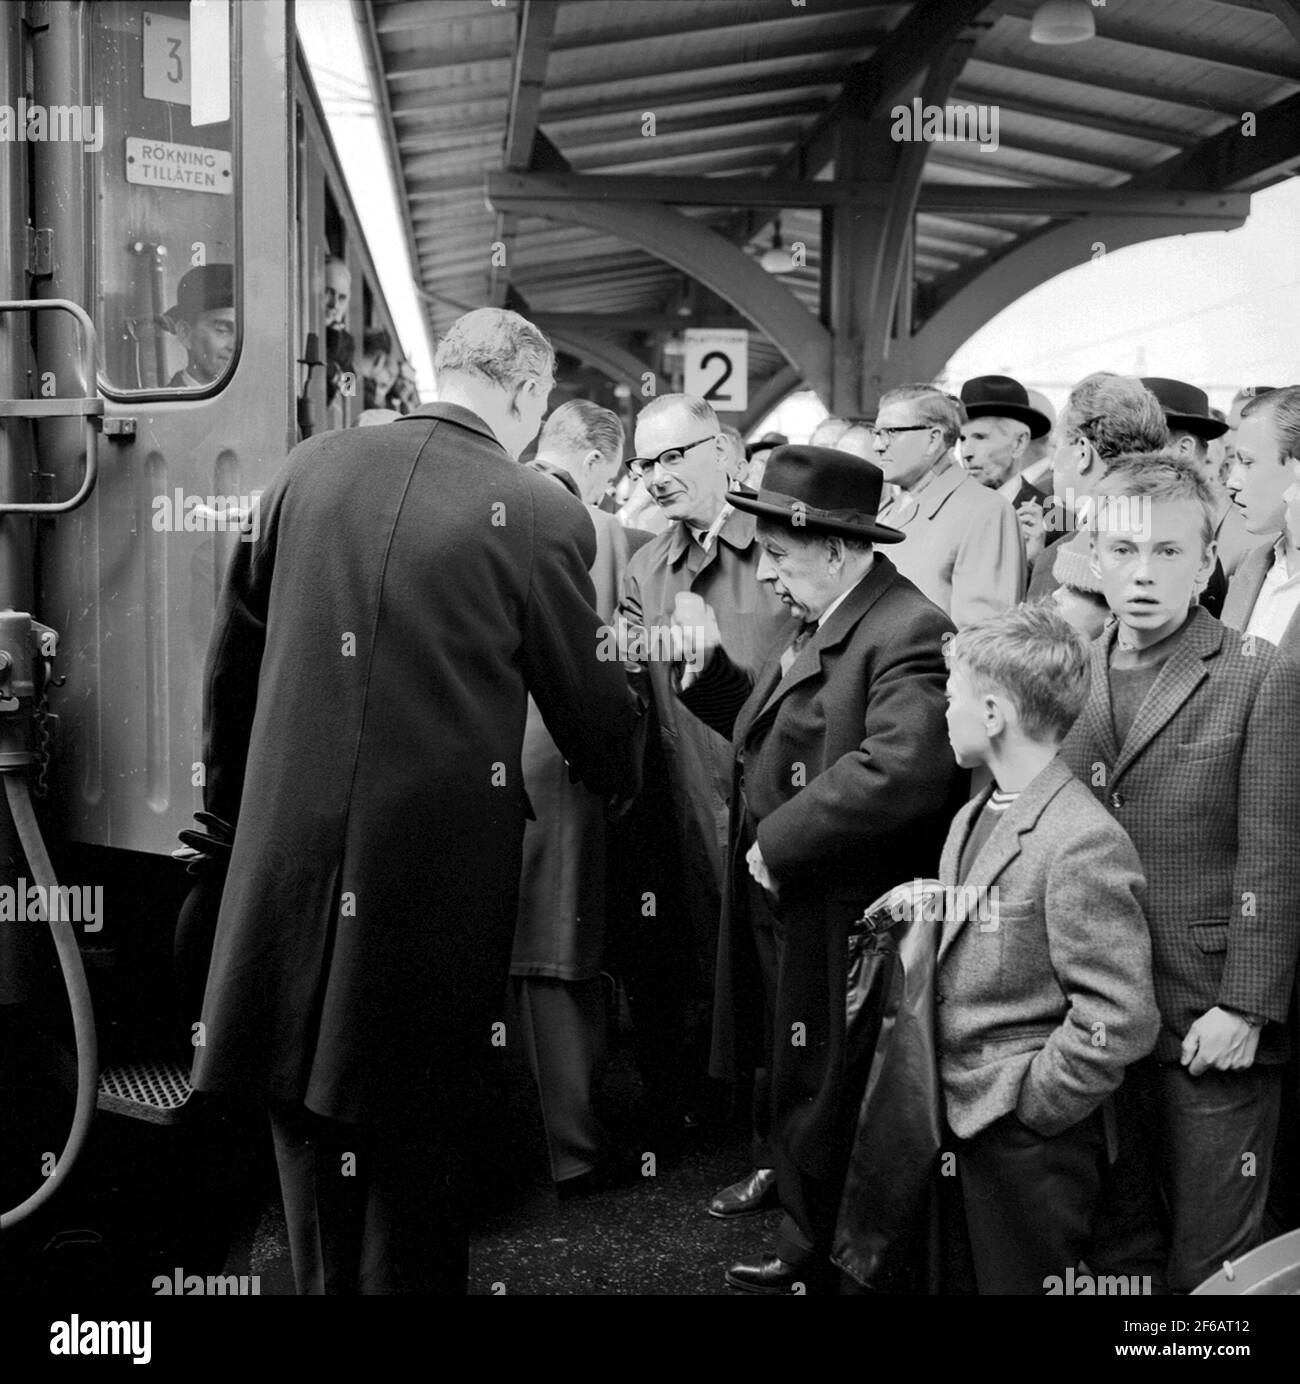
x=407, y=589
x=843, y=786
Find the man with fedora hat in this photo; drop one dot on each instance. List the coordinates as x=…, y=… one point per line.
x=843, y=786
x=204, y=322
x=1191, y=429
x=1001, y=421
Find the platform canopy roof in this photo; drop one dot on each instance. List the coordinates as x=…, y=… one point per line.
x=616, y=168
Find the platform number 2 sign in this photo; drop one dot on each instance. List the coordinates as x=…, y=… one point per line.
x=717, y=368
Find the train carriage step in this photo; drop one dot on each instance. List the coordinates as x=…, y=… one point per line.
x=154, y=1091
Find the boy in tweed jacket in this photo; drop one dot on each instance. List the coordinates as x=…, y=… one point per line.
x=1043, y=991
x=1189, y=737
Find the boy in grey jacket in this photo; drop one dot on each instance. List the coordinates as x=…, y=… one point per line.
x=1044, y=990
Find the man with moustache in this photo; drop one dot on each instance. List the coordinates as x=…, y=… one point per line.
x=709, y=550
x=204, y=322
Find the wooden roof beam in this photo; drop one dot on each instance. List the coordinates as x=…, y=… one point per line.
x=544, y=194
x=532, y=52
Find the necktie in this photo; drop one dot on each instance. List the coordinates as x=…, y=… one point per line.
x=804, y=634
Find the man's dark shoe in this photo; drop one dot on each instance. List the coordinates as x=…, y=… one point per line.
x=748, y=1197
x=770, y=1274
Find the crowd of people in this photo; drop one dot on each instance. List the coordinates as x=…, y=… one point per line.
x=493, y=734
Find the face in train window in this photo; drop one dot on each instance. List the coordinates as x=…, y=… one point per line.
x=167, y=213
x=203, y=319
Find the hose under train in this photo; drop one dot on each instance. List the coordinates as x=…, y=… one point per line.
x=74, y=979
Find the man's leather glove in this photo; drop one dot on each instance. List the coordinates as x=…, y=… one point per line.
x=210, y=847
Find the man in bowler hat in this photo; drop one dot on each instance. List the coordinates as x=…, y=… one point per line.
x=1000, y=424
x=842, y=787
x=204, y=322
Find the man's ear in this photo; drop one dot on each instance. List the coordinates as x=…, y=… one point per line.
x=1206, y=570
x=183, y=332
x=1185, y=447
x=592, y=460
x=992, y=714
x=1018, y=444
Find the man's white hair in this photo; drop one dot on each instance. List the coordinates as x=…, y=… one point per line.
x=694, y=406
x=1008, y=429
x=497, y=345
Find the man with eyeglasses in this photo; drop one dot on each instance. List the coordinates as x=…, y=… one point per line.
x=962, y=546
x=709, y=550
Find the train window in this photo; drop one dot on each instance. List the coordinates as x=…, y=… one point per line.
x=167, y=204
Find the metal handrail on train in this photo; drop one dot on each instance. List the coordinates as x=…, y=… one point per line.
x=90, y=408
x=16, y=791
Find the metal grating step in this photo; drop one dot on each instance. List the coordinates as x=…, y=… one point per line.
x=152, y=1091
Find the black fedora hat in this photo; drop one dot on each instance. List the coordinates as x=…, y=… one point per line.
x=1187, y=409
x=999, y=396
x=821, y=489
x=764, y=443
x=206, y=288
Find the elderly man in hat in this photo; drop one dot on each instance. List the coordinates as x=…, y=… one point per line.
x=843, y=787
x=1000, y=424
x=1191, y=429
x=204, y=322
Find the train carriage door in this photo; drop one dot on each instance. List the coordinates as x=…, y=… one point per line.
x=173, y=227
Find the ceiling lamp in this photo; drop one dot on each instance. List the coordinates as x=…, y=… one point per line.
x=1063, y=21
x=776, y=259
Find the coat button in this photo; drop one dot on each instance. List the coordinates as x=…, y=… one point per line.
x=1117, y=800
x=939, y=997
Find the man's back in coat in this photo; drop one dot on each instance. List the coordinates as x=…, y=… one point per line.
x=368, y=685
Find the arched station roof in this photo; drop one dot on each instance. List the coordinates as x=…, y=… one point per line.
x=615, y=168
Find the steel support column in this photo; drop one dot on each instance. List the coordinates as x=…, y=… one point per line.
x=870, y=261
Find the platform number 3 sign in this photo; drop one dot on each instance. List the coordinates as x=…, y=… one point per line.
x=717, y=368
